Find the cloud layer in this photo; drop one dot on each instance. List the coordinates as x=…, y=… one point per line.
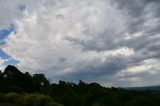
x=95, y=40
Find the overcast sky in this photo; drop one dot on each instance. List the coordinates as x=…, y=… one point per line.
x=112, y=42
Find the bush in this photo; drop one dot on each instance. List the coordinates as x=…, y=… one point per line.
x=36, y=100
x=13, y=98
x=26, y=99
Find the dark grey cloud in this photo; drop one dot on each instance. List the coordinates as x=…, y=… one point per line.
x=106, y=41
x=142, y=15
x=63, y=37
x=136, y=23
x=138, y=11
x=89, y=70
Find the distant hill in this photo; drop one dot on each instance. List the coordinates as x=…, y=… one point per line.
x=147, y=88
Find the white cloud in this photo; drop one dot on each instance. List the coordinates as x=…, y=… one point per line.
x=2, y=61
x=145, y=74
x=39, y=42
x=62, y=38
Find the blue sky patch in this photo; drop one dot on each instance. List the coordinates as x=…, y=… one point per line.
x=3, y=55
x=9, y=59
x=3, y=34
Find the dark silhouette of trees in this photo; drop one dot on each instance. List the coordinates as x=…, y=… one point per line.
x=36, y=90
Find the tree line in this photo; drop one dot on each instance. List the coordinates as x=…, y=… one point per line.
x=25, y=89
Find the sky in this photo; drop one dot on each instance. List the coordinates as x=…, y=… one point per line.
x=111, y=42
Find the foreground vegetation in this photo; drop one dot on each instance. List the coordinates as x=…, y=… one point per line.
x=23, y=89
x=25, y=99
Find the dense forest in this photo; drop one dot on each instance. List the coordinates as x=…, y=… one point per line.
x=23, y=89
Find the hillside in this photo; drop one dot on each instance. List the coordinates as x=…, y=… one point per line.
x=147, y=88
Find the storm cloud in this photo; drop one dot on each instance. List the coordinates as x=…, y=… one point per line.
x=92, y=40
